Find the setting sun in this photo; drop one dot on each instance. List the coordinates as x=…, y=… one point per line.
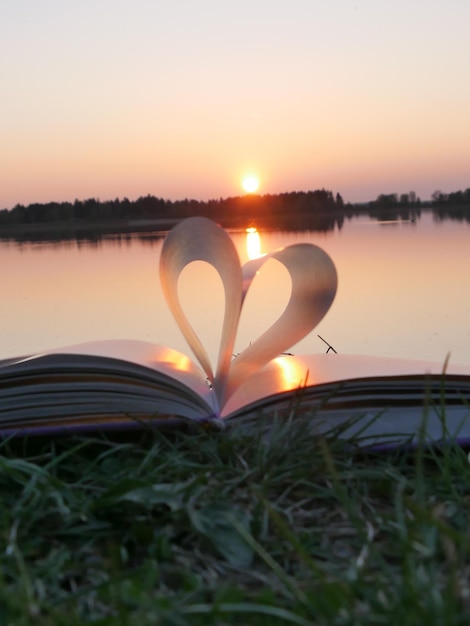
x=250, y=184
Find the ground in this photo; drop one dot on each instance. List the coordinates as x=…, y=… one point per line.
x=226, y=528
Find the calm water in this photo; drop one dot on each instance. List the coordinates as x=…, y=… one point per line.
x=403, y=291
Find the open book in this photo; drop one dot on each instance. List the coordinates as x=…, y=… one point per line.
x=117, y=384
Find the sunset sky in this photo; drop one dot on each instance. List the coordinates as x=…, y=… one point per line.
x=183, y=98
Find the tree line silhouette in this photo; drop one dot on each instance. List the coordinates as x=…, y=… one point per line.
x=319, y=210
x=284, y=208
x=454, y=205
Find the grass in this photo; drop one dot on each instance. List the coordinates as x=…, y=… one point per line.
x=222, y=528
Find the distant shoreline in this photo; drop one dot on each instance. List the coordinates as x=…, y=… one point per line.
x=320, y=221
x=42, y=231
x=319, y=209
x=89, y=229
x=80, y=226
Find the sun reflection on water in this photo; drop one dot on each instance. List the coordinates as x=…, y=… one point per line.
x=253, y=243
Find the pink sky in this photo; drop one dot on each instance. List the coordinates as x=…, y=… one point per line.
x=119, y=98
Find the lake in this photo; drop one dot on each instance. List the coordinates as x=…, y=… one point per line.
x=403, y=291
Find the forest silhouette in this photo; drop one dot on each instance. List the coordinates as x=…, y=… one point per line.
x=320, y=210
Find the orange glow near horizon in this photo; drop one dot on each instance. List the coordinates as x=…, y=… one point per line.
x=193, y=114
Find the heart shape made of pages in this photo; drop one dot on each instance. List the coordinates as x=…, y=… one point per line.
x=314, y=281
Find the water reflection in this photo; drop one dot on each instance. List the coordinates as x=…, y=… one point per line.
x=253, y=243
x=78, y=239
x=402, y=291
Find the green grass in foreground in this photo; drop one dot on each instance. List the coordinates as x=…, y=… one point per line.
x=229, y=529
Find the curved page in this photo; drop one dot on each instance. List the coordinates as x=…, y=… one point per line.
x=313, y=278
x=200, y=239
x=314, y=281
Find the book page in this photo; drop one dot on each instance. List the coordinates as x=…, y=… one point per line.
x=159, y=359
x=289, y=373
x=313, y=279
x=104, y=380
x=200, y=239
x=314, y=282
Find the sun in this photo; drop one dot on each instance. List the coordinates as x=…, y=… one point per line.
x=250, y=184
